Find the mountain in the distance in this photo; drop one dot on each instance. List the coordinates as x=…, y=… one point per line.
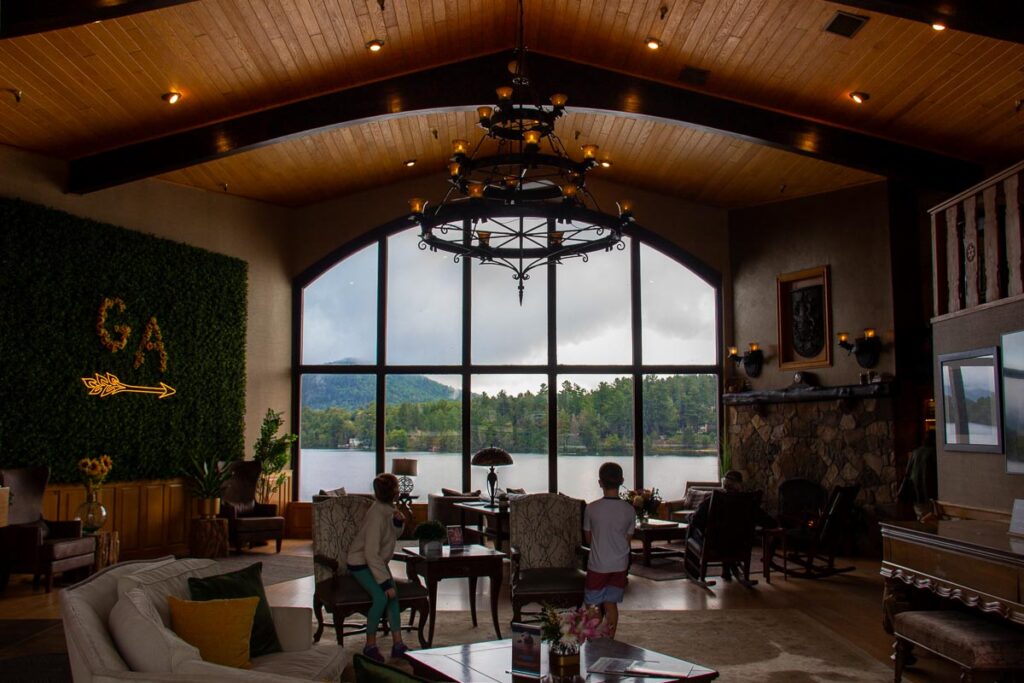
x=357, y=391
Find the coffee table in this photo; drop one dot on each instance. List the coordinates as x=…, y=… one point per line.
x=659, y=530
x=472, y=561
x=492, y=661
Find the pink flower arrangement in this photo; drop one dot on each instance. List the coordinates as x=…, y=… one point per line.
x=567, y=630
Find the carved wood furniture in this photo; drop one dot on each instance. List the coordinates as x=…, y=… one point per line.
x=31, y=545
x=813, y=545
x=336, y=521
x=472, y=561
x=108, y=548
x=969, y=560
x=727, y=537
x=546, y=535
x=972, y=642
x=208, y=537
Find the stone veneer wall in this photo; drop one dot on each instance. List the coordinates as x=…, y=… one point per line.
x=832, y=441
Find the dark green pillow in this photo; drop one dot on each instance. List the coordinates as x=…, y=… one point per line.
x=245, y=583
x=370, y=671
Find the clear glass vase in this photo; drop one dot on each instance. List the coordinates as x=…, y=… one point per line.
x=91, y=512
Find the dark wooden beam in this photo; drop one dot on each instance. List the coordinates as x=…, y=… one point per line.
x=1003, y=19
x=472, y=82
x=23, y=17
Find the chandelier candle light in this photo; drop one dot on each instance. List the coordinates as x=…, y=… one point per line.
x=527, y=205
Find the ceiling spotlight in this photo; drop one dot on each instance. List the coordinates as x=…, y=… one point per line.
x=375, y=45
x=410, y=162
x=938, y=26
x=652, y=43
x=606, y=164
x=860, y=97
x=171, y=97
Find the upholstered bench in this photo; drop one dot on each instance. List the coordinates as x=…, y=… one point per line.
x=972, y=642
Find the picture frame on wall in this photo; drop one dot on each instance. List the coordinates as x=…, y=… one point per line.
x=804, y=318
x=1012, y=347
x=971, y=412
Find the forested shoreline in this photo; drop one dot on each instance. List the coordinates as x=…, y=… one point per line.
x=679, y=414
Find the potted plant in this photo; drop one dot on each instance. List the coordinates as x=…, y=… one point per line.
x=431, y=535
x=273, y=453
x=206, y=482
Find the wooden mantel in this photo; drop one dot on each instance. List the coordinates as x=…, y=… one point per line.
x=805, y=393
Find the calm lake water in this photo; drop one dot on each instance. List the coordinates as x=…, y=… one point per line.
x=577, y=474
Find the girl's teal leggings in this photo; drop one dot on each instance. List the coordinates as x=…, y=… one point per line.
x=380, y=602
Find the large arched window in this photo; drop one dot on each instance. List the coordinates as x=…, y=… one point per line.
x=402, y=353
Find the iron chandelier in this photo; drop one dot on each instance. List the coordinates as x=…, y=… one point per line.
x=527, y=205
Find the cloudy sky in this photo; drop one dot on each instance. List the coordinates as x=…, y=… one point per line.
x=425, y=313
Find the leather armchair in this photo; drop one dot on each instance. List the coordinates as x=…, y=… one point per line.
x=248, y=521
x=31, y=545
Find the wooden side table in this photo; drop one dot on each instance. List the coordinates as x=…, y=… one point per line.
x=108, y=548
x=208, y=537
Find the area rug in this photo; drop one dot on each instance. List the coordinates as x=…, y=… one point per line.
x=661, y=569
x=765, y=645
x=276, y=568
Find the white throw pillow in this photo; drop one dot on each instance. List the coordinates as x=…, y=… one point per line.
x=168, y=579
x=142, y=639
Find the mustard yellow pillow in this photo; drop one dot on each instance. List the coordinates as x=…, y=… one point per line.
x=219, y=628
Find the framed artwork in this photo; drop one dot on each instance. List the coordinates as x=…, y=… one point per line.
x=970, y=400
x=1013, y=401
x=805, y=319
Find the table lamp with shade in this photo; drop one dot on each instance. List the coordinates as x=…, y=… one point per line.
x=491, y=457
x=405, y=469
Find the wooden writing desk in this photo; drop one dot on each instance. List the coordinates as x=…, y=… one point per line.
x=973, y=561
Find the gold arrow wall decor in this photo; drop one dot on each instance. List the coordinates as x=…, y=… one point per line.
x=108, y=384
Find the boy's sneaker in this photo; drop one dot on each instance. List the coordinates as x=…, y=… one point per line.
x=373, y=652
x=398, y=650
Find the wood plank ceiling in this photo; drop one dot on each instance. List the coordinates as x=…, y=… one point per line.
x=98, y=86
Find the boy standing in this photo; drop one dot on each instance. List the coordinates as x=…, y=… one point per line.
x=608, y=524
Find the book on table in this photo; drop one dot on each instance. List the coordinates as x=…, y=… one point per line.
x=640, y=667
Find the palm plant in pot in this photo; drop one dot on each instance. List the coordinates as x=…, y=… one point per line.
x=431, y=535
x=206, y=480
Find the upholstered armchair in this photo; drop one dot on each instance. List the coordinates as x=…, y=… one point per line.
x=248, y=521
x=546, y=535
x=336, y=522
x=30, y=545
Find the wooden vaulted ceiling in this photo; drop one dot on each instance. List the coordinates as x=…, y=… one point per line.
x=95, y=87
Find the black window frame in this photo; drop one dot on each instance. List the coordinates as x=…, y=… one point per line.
x=635, y=369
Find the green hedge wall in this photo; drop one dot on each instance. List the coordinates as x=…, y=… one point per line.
x=56, y=271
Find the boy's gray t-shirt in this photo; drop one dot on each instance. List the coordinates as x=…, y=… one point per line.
x=611, y=522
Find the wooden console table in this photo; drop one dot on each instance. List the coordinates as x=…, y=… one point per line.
x=973, y=561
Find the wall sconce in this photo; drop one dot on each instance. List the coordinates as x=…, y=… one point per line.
x=866, y=348
x=753, y=360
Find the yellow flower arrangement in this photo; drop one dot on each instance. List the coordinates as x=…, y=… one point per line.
x=152, y=340
x=95, y=470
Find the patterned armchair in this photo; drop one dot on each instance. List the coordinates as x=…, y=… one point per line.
x=547, y=549
x=336, y=521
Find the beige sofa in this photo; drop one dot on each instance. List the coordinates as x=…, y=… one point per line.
x=101, y=654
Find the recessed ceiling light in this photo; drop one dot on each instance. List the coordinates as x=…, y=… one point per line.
x=860, y=97
x=375, y=45
x=606, y=164
x=409, y=162
x=652, y=43
x=938, y=26
x=171, y=97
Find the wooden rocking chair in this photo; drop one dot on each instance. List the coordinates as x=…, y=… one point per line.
x=727, y=538
x=813, y=545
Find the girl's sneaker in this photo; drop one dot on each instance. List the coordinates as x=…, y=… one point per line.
x=399, y=650
x=373, y=652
